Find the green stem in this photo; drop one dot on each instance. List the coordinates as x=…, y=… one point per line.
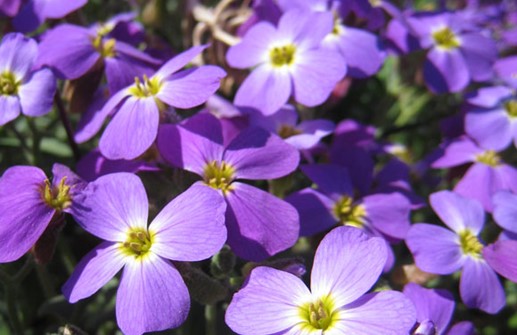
x=45, y=281
x=211, y=320
x=36, y=141
x=68, y=128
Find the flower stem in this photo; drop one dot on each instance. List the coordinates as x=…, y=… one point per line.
x=211, y=320
x=68, y=128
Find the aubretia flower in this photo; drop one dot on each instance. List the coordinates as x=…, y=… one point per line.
x=259, y=224
x=286, y=59
x=442, y=251
x=346, y=265
x=21, y=89
x=35, y=12
x=29, y=202
x=457, y=53
x=505, y=210
x=152, y=295
x=137, y=108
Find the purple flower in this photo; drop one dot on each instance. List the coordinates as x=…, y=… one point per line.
x=442, y=251
x=505, y=210
x=259, y=224
x=152, y=295
x=134, y=126
x=35, y=12
x=21, y=89
x=491, y=117
x=486, y=176
x=346, y=265
x=506, y=70
x=457, y=54
x=10, y=7
x=29, y=202
x=286, y=59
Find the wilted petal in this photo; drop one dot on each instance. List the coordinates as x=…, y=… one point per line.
x=151, y=297
x=347, y=264
x=268, y=303
x=94, y=271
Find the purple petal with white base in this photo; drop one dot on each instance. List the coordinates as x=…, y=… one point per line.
x=435, y=249
x=480, y=287
x=191, y=227
x=252, y=49
x=17, y=54
x=111, y=205
x=152, y=296
x=259, y=224
x=457, y=212
x=93, y=271
x=270, y=300
x=327, y=273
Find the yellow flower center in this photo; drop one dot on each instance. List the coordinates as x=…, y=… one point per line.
x=320, y=314
x=286, y=131
x=105, y=47
x=138, y=242
x=145, y=88
x=470, y=244
x=375, y=3
x=446, y=39
x=511, y=108
x=348, y=213
x=8, y=84
x=57, y=197
x=489, y=157
x=219, y=175
x=282, y=55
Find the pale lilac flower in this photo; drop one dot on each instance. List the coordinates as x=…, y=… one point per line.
x=151, y=295
x=23, y=90
x=346, y=265
x=286, y=60
x=505, y=210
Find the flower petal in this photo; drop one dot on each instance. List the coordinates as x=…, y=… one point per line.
x=388, y=213
x=257, y=154
x=179, y=61
x=94, y=271
x=10, y=107
x=480, y=287
x=132, y=131
x=331, y=179
x=505, y=210
x=191, y=226
x=347, y=264
x=111, y=205
x=17, y=54
x=491, y=128
x=435, y=249
x=190, y=88
x=151, y=297
x=501, y=257
x=259, y=224
x=268, y=303
x=56, y=9
x=37, y=95
x=445, y=71
x=253, y=48
x=458, y=152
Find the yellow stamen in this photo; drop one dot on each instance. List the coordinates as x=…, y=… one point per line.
x=138, y=243
x=470, y=244
x=348, y=213
x=489, y=157
x=57, y=197
x=219, y=176
x=148, y=87
x=319, y=314
x=9, y=85
x=282, y=55
x=446, y=39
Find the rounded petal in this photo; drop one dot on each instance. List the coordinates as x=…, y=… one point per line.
x=480, y=287
x=111, y=205
x=191, y=226
x=94, y=271
x=388, y=213
x=37, y=95
x=488, y=97
x=179, y=61
x=445, y=71
x=132, y=131
x=10, y=107
x=259, y=224
x=254, y=47
x=492, y=129
x=265, y=89
x=268, y=303
x=56, y=9
x=480, y=52
x=457, y=212
x=435, y=249
x=17, y=54
x=347, y=264
x=24, y=214
x=458, y=152
x=501, y=257
x=387, y=313
x=151, y=297
x=505, y=210
x=331, y=179
x=257, y=154
x=190, y=88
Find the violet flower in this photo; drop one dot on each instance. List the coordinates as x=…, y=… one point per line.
x=456, y=53
x=23, y=90
x=506, y=70
x=137, y=108
x=35, y=12
x=10, y=7
x=505, y=210
x=151, y=295
x=346, y=265
x=286, y=60
x=259, y=224
x=29, y=202
x=442, y=251
x=487, y=175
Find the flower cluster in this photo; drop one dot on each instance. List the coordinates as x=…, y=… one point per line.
x=201, y=158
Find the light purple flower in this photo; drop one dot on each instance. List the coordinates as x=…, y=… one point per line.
x=286, y=60
x=29, y=202
x=152, y=295
x=505, y=210
x=486, y=176
x=21, y=89
x=346, y=265
x=457, y=53
x=35, y=12
x=10, y=7
x=137, y=108
x=506, y=70
x=259, y=224
x=443, y=251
